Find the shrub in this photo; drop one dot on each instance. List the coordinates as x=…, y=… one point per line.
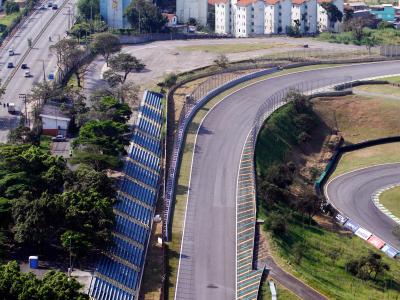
x=11, y=7
x=276, y=223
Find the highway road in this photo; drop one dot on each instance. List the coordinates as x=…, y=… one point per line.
x=351, y=194
x=207, y=261
x=37, y=28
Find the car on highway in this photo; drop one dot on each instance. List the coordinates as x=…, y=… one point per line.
x=24, y=66
x=27, y=73
x=42, y=7
x=50, y=4
x=10, y=65
x=58, y=138
x=10, y=52
x=55, y=6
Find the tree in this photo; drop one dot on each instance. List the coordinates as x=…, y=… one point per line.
x=369, y=42
x=77, y=242
x=105, y=44
x=110, y=109
x=57, y=285
x=113, y=78
x=170, y=80
x=145, y=17
x=80, y=30
x=192, y=22
x=334, y=14
x=106, y=134
x=125, y=63
x=222, y=61
x=11, y=7
x=88, y=9
x=367, y=267
x=276, y=223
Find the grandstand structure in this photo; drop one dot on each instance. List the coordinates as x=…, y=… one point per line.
x=120, y=268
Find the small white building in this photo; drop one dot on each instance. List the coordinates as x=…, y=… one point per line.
x=54, y=121
x=172, y=19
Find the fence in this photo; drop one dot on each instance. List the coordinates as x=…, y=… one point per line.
x=188, y=111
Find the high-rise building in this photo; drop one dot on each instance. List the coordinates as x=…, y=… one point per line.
x=113, y=12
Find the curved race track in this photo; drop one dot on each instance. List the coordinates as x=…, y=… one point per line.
x=351, y=194
x=207, y=262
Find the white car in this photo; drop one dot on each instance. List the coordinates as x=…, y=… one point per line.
x=10, y=52
x=27, y=73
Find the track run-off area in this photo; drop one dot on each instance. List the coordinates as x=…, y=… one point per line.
x=207, y=265
x=352, y=194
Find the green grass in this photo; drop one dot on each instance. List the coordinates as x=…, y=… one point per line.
x=387, y=153
x=392, y=79
x=383, y=89
x=184, y=172
x=45, y=143
x=8, y=19
x=234, y=48
x=328, y=276
x=283, y=293
x=387, y=36
x=391, y=200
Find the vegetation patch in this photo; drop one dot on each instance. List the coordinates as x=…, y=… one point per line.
x=306, y=242
x=234, y=48
x=391, y=200
x=382, y=89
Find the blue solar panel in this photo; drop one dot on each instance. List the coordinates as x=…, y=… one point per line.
x=117, y=276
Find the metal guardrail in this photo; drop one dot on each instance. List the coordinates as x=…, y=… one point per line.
x=248, y=278
x=188, y=111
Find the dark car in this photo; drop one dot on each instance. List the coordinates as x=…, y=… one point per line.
x=55, y=6
x=49, y=4
x=24, y=66
x=10, y=65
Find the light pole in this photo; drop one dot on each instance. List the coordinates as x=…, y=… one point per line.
x=44, y=71
x=23, y=98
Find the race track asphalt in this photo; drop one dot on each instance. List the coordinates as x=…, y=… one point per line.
x=351, y=194
x=207, y=264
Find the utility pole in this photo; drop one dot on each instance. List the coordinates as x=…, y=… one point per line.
x=44, y=72
x=23, y=98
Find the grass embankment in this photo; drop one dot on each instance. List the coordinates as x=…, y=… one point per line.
x=183, y=181
x=316, y=251
x=382, y=89
x=358, y=119
x=391, y=200
x=387, y=36
x=235, y=48
x=8, y=19
x=282, y=292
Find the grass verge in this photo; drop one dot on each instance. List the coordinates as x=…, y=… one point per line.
x=315, y=251
x=383, y=89
x=391, y=200
x=350, y=161
x=283, y=293
x=184, y=173
x=8, y=19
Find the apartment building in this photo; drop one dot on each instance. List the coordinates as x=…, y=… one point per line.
x=246, y=18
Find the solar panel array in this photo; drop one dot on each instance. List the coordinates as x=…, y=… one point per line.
x=120, y=268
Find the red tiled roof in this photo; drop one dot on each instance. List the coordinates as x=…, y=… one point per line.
x=213, y=2
x=271, y=2
x=323, y=1
x=245, y=2
x=169, y=16
x=298, y=2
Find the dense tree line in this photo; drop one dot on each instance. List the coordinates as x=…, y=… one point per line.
x=15, y=285
x=45, y=203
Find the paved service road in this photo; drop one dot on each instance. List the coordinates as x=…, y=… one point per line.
x=38, y=56
x=351, y=194
x=207, y=264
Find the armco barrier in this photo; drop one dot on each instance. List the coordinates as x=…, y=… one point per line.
x=180, y=137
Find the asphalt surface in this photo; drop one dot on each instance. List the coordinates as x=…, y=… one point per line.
x=351, y=194
x=37, y=57
x=207, y=265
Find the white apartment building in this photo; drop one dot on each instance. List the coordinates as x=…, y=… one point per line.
x=197, y=9
x=275, y=16
x=304, y=13
x=246, y=18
